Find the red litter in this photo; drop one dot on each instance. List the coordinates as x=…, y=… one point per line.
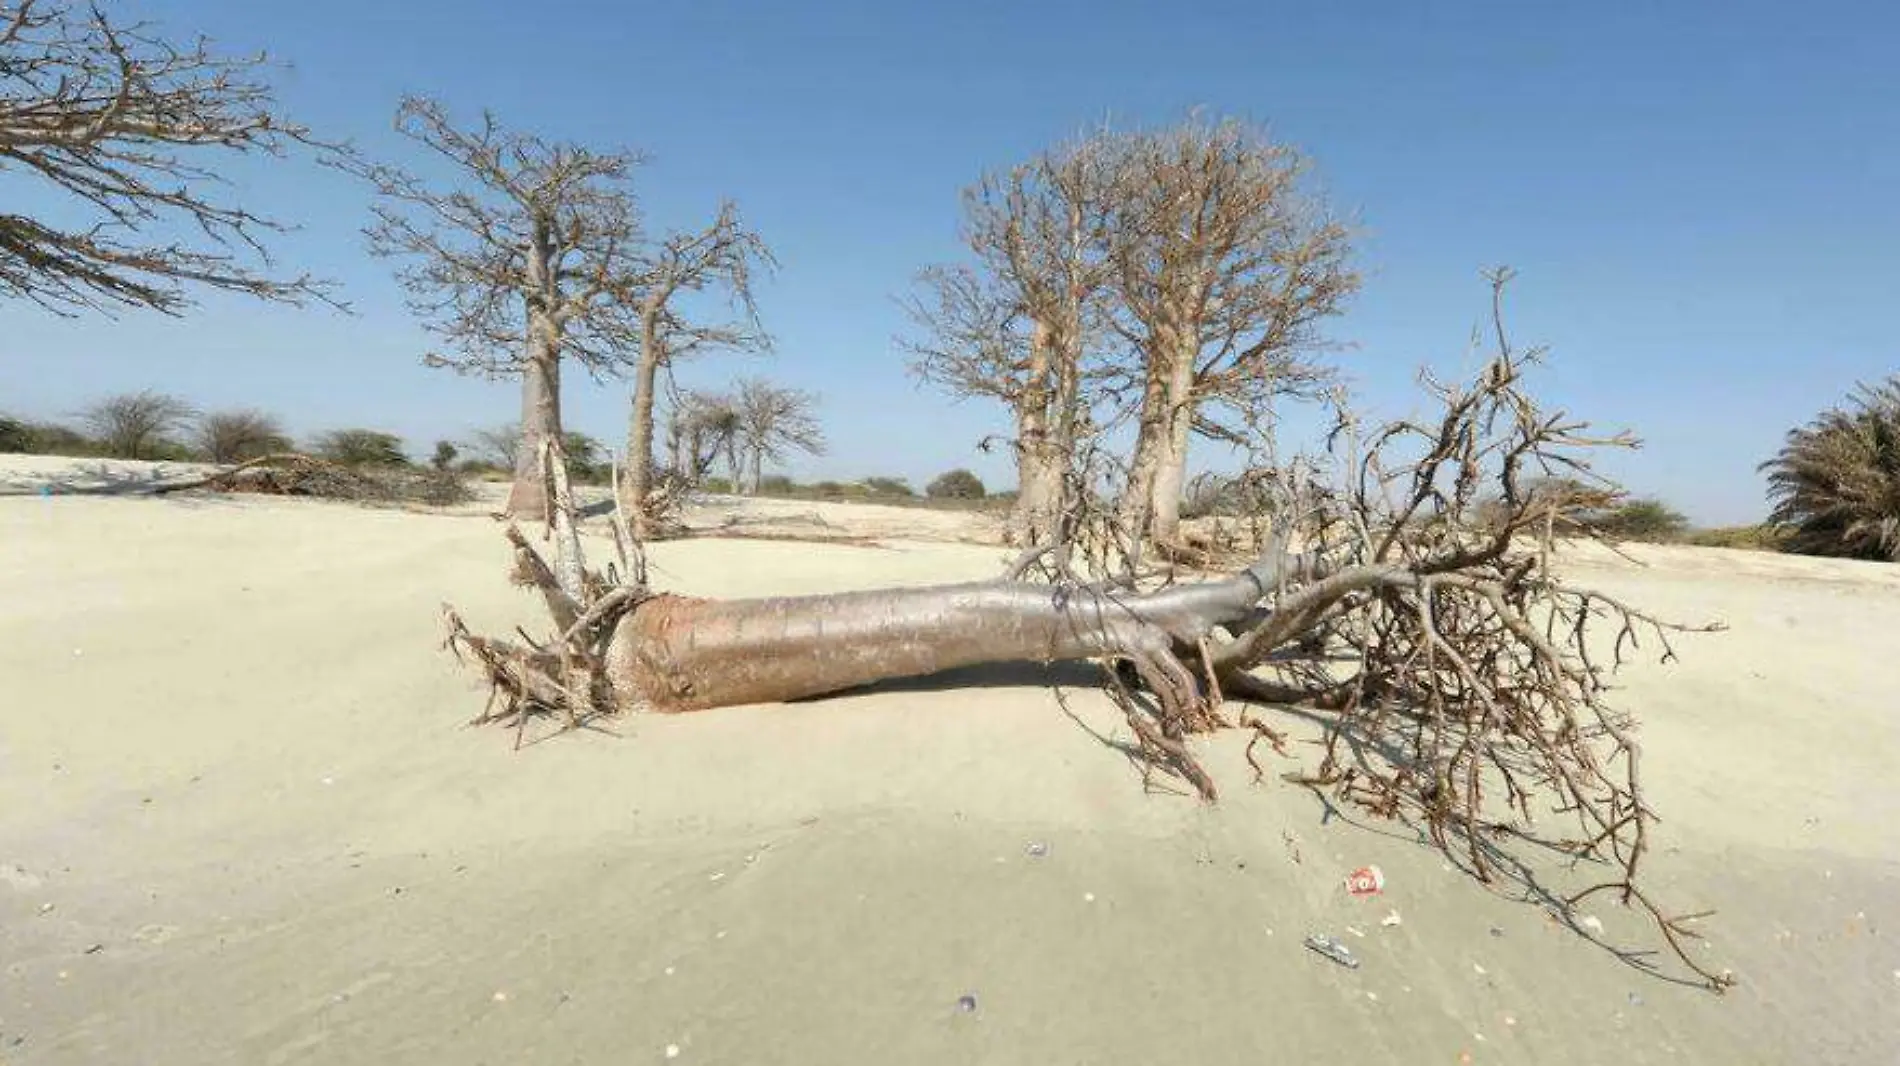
x=1365, y=881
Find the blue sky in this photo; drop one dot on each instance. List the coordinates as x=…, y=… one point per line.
x=1700, y=199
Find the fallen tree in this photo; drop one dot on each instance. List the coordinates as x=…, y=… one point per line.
x=1462, y=683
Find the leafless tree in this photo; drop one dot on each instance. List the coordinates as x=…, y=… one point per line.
x=1224, y=269
x=128, y=126
x=1017, y=325
x=236, y=436
x=530, y=260
x=703, y=427
x=720, y=259
x=137, y=425
x=775, y=422
x=1463, y=685
x=498, y=445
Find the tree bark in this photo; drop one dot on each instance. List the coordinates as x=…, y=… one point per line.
x=1039, y=466
x=678, y=654
x=1171, y=453
x=639, y=481
x=540, y=421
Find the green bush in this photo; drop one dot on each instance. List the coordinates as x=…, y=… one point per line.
x=1646, y=520
x=955, y=485
x=888, y=486
x=777, y=485
x=361, y=447
x=1764, y=537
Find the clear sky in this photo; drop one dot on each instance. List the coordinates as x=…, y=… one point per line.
x=1703, y=200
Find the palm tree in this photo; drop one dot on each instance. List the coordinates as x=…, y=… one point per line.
x=1836, y=483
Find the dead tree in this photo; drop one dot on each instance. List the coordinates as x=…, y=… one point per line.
x=126, y=126
x=722, y=258
x=1224, y=268
x=137, y=425
x=774, y=422
x=1017, y=326
x=1473, y=703
x=529, y=261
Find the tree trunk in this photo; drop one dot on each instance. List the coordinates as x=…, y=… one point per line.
x=540, y=421
x=1038, y=465
x=639, y=481
x=1170, y=470
x=756, y=464
x=678, y=654
x=1137, y=501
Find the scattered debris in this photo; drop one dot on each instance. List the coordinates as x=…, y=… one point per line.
x=1635, y=1000
x=46, y=908
x=1088, y=897
x=717, y=877
x=1391, y=919
x=1292, y=843
x=1037, y=849
x=1333, y=949
x=1495, y=931
x=500, y=997
x=1366, y=881
x=1480, y=970
x=94, y=949
x=1360, y=933
x=1592, y=924
x=967, y=1004
x=672, y=1051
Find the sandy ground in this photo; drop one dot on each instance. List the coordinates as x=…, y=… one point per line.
x=240, y=822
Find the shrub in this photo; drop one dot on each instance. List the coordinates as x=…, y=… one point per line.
x=777, y=485
x=888, y=486
x=445, y=453
x=1764, y=537
x=955, y=485
x=235, y=436
x=361, y=447
x=829, y=489
x=1648, y=520
x=1836, y=482
x=138, y=425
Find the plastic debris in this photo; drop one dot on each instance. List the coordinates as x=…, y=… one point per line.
x=672, y=1051
x=1591, y=923
x=1391, y=919
x=967, y=1004
x=1088, y=897
x=1480, y=970
x=1036, y=849
x=1333, y=949
x=1366, y=881
x=1356, y=931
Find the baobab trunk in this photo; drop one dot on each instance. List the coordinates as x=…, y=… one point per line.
x=639, y=482
x=1170, y=474
x=1039, y=466
x=540, y=421
x=677, y=654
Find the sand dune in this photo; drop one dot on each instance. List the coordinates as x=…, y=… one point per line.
x=240, y=823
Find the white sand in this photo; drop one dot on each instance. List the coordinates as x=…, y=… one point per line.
x=239, y=823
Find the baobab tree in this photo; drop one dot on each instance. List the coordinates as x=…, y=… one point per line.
x=1017, y=325
x=773, y=423
x=126, y=129
x=531, y=259
x=1224, y=268
x=701, y=427
x=720, y=258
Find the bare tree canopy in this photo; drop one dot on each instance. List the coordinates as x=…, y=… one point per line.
x=1018, y=326
x=237, y=436
x=137, y=425
x=719, y=259
x=127, y=126
x=533, y=257
x=1224, y=268
x=774, y=422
